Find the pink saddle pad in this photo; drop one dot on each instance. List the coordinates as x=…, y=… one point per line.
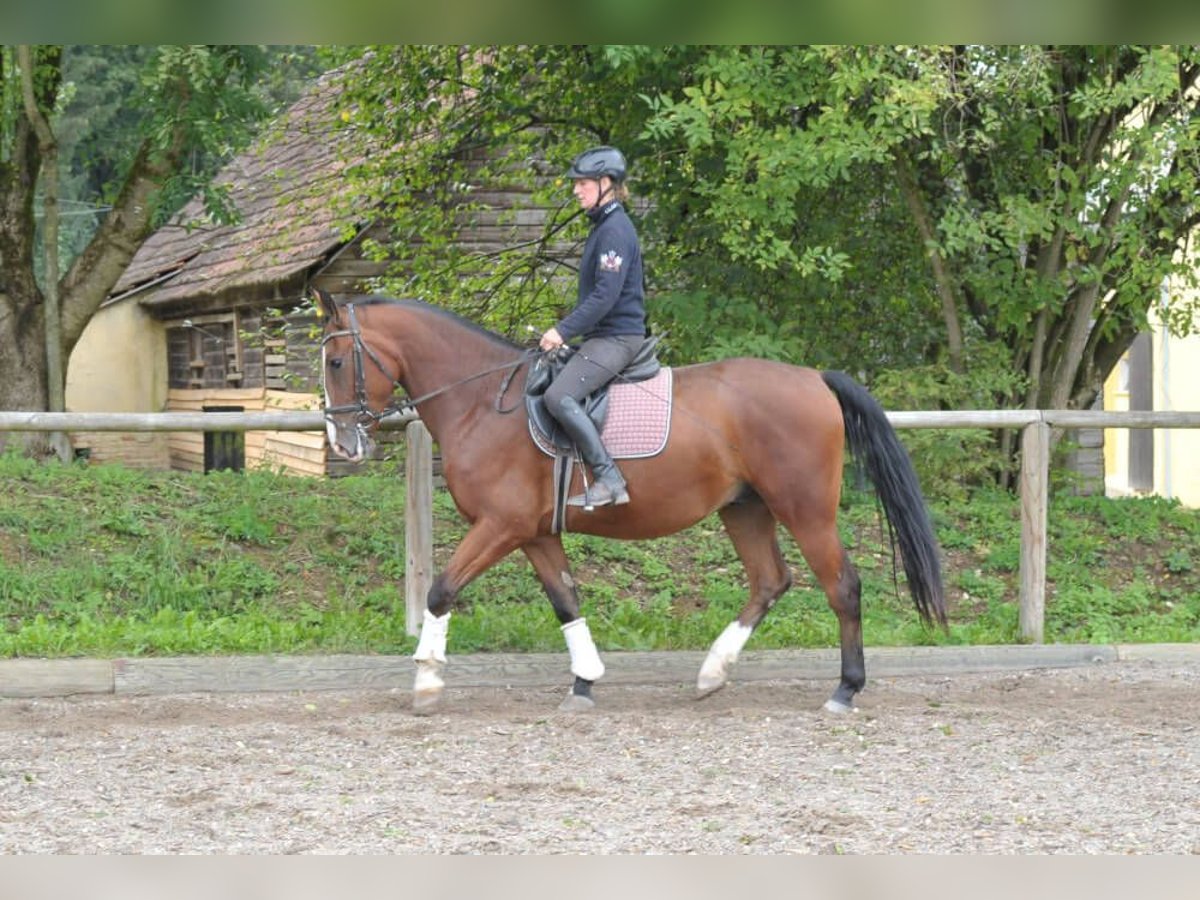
x=639, y=418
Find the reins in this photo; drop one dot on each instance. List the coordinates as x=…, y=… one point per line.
x=366, y=415
x=363, y=410
x=412, y=402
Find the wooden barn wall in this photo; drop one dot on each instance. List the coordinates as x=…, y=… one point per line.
x=502, y=215
x=349, y=272
x=297, y=365
x=295, y=452
x=299, y=452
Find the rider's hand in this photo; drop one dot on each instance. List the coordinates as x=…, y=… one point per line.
x=551, y=340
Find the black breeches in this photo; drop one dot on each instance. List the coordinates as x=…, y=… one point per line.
x=593, y=365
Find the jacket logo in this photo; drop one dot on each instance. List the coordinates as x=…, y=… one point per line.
x=610, y=262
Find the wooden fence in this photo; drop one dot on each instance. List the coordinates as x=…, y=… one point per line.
x=1034, y=425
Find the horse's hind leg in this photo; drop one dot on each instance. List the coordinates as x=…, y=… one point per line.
x=553, y=569
x=751, y=527
x=822, y=548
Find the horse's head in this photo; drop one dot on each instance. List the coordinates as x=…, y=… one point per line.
x=358, y=382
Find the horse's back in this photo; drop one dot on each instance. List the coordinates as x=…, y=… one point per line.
x=795, y=396
x=782, y=420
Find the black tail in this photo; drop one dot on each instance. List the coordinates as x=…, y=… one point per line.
x=874, y=443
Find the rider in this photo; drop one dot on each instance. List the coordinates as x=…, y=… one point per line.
x=610, y=316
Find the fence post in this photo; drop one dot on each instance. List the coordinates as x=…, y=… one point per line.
x=418, y=524
x=1035, y=474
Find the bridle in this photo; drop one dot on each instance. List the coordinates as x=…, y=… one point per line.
x=363, y=413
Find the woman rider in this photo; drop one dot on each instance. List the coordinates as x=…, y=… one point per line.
x=609, y=315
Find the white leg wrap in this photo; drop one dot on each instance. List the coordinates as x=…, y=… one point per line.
x=724, y=653
x=432, y=645
x=585, y=660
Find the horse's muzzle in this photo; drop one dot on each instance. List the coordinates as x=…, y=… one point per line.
x=351, y=442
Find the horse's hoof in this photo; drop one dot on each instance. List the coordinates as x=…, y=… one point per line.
x=837, y=707
x=425, y=702
x=427, y=687
x=577, y=703
x=706, y=687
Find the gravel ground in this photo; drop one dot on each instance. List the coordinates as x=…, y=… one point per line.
x=1104, y=759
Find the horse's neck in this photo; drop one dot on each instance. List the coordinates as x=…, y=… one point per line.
x=444, y=362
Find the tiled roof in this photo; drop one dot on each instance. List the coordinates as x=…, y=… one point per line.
x=283, y=189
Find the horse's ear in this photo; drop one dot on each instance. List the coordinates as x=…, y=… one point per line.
x=326, y=308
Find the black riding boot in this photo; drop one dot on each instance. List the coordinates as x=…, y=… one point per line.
x=608, y=486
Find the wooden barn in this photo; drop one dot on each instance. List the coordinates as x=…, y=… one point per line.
x=215, y=317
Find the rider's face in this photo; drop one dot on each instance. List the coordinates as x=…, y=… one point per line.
x=588, y=191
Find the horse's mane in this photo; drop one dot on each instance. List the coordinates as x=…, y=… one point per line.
x=379, y=300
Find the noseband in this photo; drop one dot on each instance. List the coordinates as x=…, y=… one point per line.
x=364, y=415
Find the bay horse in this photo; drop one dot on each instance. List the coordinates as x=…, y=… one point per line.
x=758, y=442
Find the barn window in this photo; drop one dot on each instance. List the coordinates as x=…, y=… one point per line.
x=204, y=352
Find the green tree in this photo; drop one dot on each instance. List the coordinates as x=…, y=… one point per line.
x=99, y=129
x=448, y=126
x=183, y=105
x=1050, y=190
x=1010, y=214
x=451, y=121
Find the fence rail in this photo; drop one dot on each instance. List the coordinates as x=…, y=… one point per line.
x=1035, y=426
x=292, y=420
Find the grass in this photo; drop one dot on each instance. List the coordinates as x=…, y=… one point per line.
x=108, y=561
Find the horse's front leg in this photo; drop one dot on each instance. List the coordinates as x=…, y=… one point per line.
x=550, y=562
x=485, y=543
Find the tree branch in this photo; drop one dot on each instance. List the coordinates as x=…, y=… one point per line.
x=95, y=270
x=941, y=274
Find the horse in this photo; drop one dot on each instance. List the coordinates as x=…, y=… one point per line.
x=759, y=442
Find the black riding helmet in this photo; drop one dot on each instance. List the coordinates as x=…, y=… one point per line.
x=597, y=162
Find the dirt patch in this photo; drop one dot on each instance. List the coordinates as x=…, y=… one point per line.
x=1103, y=759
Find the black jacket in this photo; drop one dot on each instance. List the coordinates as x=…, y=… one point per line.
x=611, y=294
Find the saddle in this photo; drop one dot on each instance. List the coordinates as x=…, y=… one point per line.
x=548, y=435
x=642, y=367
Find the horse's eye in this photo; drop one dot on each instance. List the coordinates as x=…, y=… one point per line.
x=335, y=363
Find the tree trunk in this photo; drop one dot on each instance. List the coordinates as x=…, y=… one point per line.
x=52, y=322
x=22, y=371
x=22, y=337
x=942, y=279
